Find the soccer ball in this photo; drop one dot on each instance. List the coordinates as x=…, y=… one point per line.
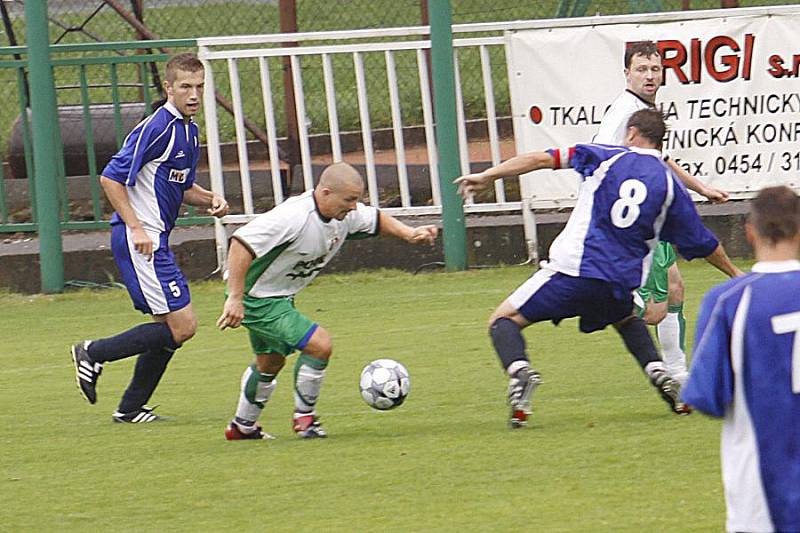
x=384, y=384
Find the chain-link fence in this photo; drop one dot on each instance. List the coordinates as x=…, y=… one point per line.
x=133, y=85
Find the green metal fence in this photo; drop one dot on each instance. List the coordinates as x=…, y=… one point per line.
x=115, y=82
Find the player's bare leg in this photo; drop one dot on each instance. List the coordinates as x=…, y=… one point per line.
x=505, y=329
x=672, y=329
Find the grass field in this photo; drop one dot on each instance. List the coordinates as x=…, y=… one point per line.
x=603, y=453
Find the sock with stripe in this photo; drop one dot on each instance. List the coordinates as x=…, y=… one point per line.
x=257, y=387
x=309, y=373
x=138, y=339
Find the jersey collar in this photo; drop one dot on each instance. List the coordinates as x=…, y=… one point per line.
x=316, y=208
x=649, y=104
x=776, y=267
x=174, y=110
x=647, y=151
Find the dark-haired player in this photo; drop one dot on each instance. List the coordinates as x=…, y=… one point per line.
x=627, y=201
x=746, y=368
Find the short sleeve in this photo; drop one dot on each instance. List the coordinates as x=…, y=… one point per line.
x=587, y=157
x=710, y=385
x=266, y=233
x=145, y=143
x=362, y=222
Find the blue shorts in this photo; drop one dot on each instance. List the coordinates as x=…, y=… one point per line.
x=157, y=286
x=550, y=295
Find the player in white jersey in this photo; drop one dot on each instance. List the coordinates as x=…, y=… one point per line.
x=627, y=200
x=660, y=299
x=146, y=182
x=270, y=260
x=746, y=369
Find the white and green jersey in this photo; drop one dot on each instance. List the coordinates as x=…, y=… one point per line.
x=293, y=242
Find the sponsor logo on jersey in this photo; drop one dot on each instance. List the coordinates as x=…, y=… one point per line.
x=180, y=154
x=178, y=176
x=305, y=269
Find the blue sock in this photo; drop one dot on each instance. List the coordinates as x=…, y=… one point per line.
x=150, y=366
x=136, y=340
x=508, y=341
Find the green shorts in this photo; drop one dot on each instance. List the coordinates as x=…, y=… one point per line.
x=275, y=325
x=657, y=285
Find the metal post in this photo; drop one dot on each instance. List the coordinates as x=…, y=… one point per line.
x=45, y=120
x=455, y=232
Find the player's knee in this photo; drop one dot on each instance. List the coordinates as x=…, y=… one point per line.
x=320, y=345
x=654, y=313
x=183, y=330
x=270, y=364
x=675, y=285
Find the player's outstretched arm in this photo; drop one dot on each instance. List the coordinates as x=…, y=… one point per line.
x=200, y=197
x=239, y=259
x=117, y=194
x=520, y=164
x=415, y=235
x=719, y=258
x=717, y=196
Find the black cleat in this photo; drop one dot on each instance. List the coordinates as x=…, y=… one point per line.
x=520, y=389
x=143, y=415
x=86, y=371
x=670, y=391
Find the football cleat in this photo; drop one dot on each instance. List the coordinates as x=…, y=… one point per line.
x=307, y=426
x=143, y=415
x=520, y=389
x=670, y=391
x=232, y=432
x=86, y=371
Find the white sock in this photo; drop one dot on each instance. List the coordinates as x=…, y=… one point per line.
x=669, y=335
x=255, y=392
x=307, y=384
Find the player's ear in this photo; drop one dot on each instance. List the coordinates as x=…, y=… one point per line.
x=750, y=233
x=630, y=135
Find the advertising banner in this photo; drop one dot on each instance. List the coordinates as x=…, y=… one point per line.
x=731, y=96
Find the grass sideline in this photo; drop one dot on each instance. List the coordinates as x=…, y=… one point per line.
x=604, y=453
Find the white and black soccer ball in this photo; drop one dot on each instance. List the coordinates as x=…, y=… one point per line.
x=384, y=384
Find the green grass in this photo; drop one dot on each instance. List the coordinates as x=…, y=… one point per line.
x=603, y=452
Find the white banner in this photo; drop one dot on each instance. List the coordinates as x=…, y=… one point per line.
x=731, y=96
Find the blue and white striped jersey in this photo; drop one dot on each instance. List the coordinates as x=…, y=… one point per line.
x=628, y=201
x=157, y=163
x=746, y=368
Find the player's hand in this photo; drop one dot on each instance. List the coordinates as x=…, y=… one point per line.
x=469, y=184
x=426, y=234
x=219, y=207
x=717, y=196
x=142, y=242
x=232, y=313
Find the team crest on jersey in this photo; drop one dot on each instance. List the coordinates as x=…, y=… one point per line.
x=178, y=176
x=333, y=242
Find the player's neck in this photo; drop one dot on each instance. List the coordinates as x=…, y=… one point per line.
x=782, y=251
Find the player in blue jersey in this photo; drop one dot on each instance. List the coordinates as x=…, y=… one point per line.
x=146, y=182
x=746, y=368
x=627, y=201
